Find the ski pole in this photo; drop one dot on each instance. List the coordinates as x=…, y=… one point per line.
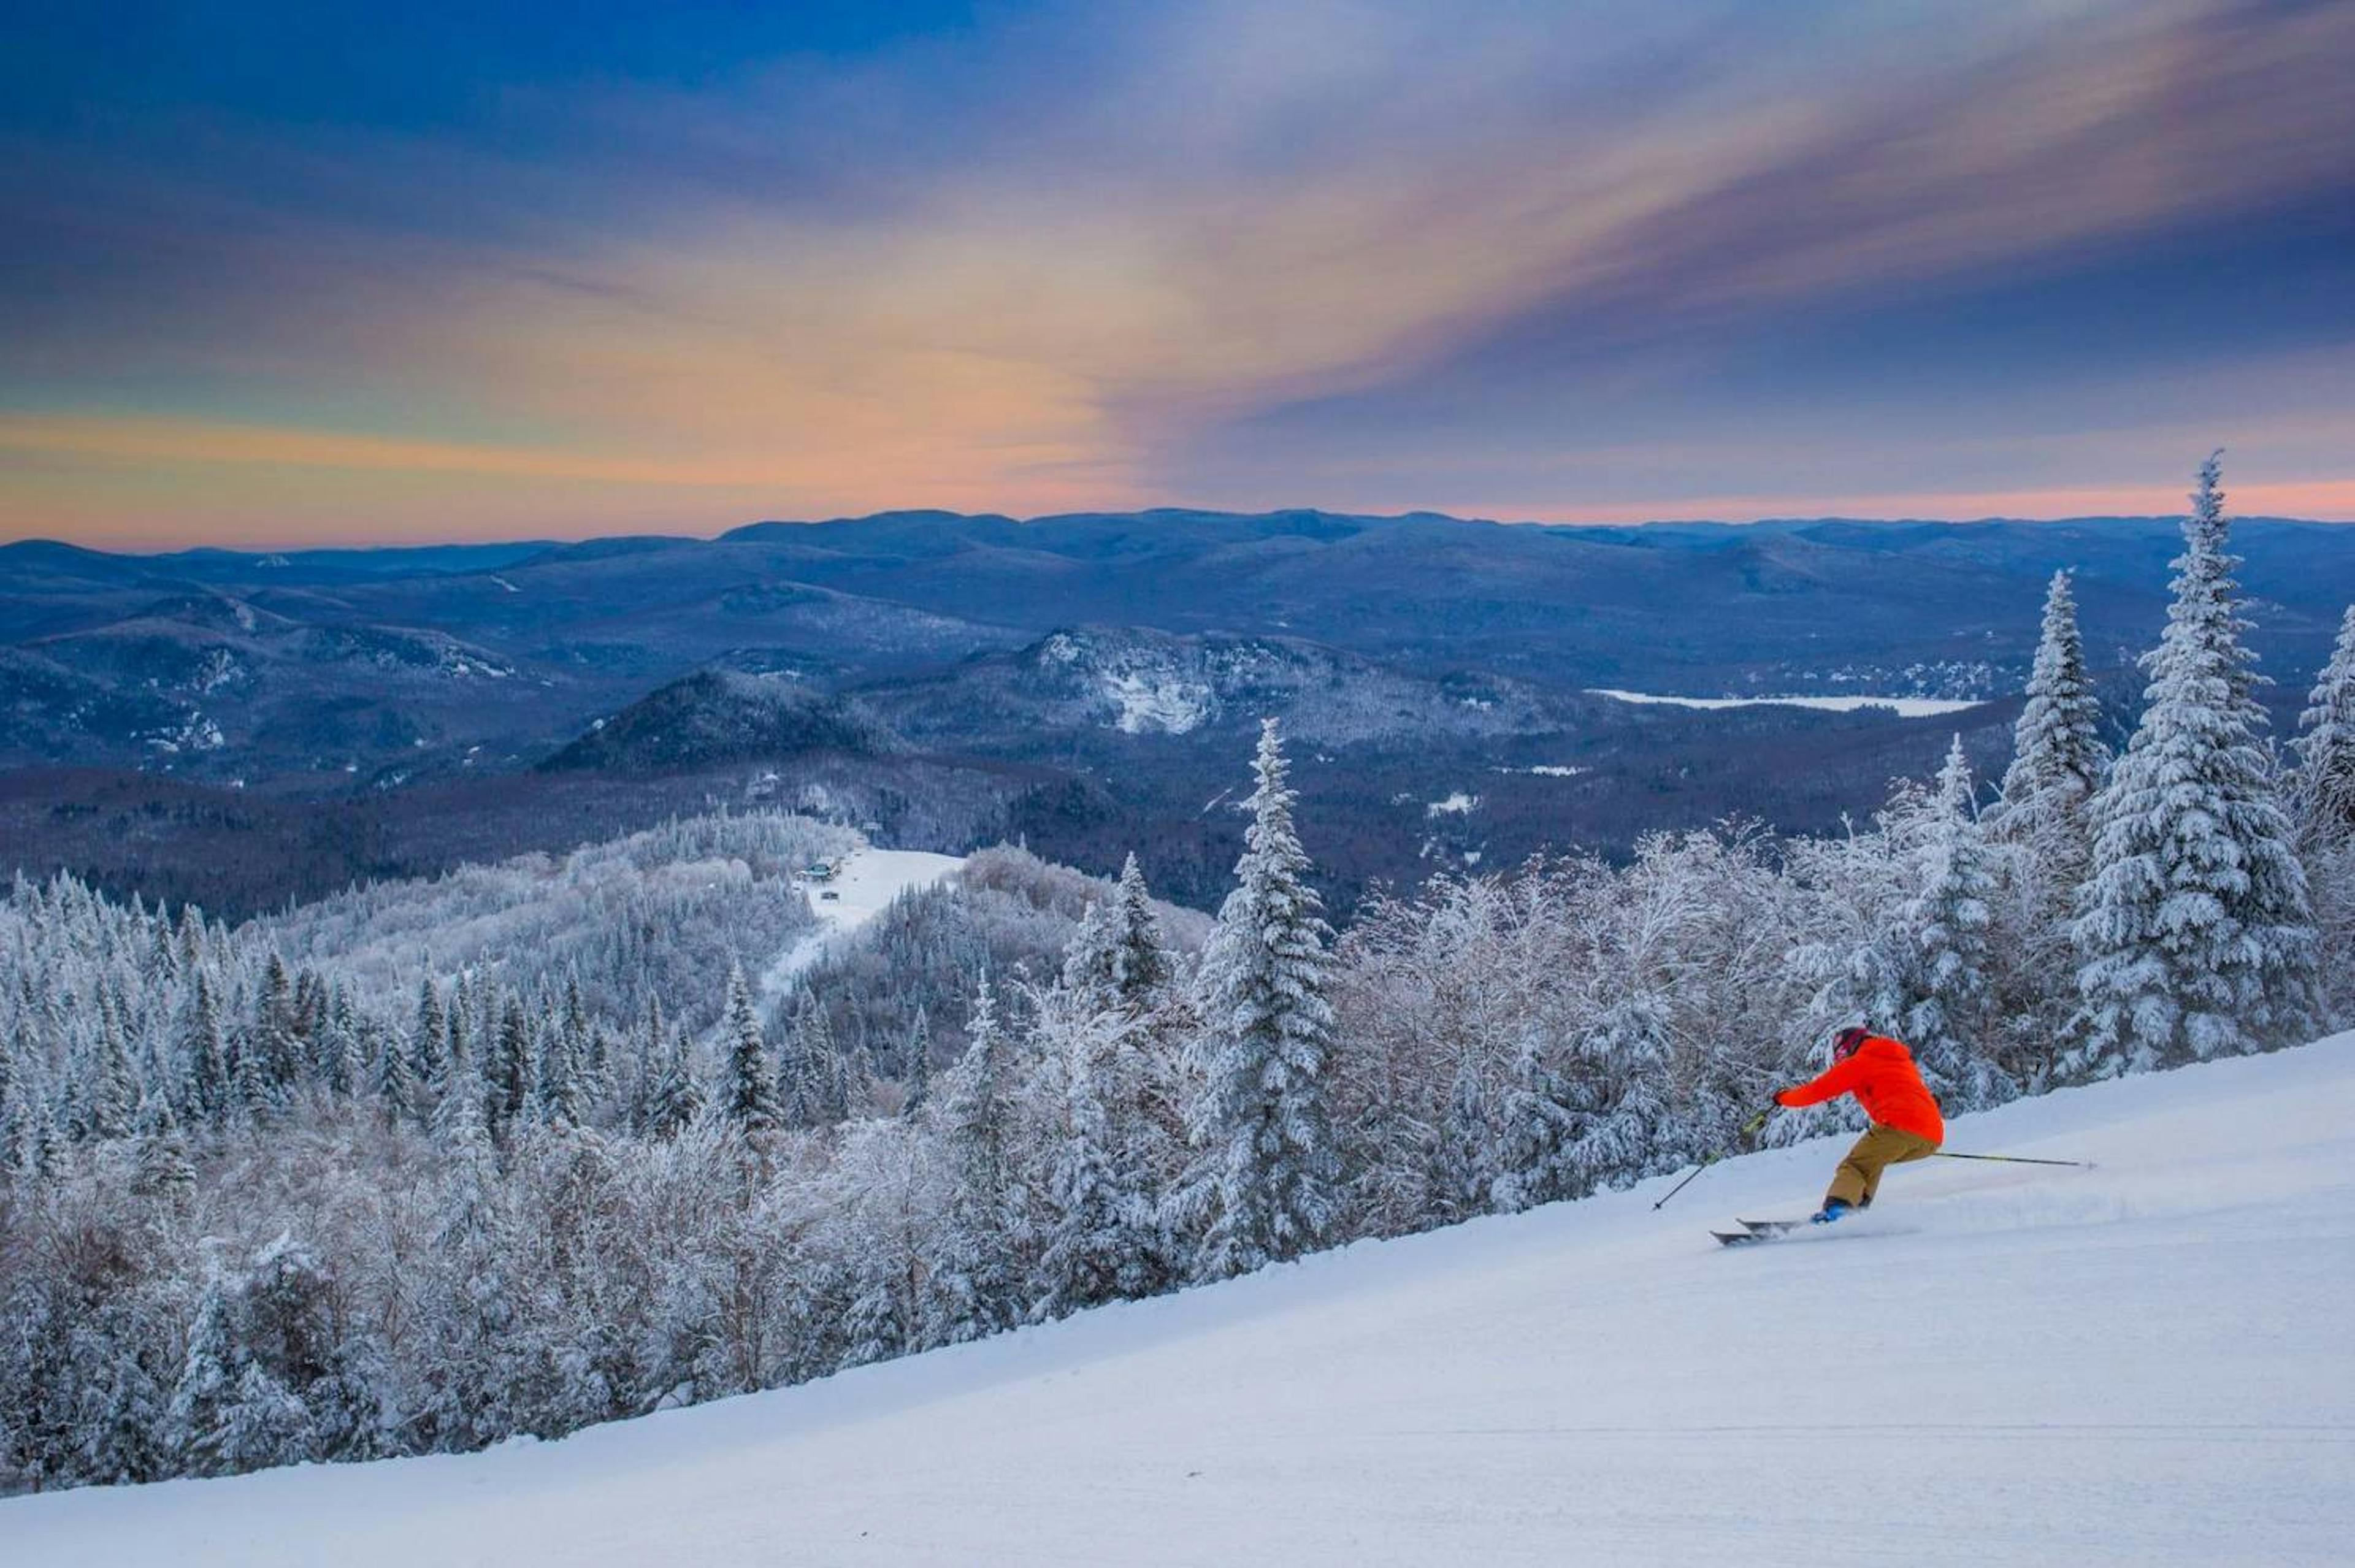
x=1679, y=1186
x=2019, y=1159
x=1749, y=1130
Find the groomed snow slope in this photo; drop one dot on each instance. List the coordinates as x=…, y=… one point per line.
x=868, y=879
x=2145, y=1364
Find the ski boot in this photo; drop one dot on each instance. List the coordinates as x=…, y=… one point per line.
x=1834, y=1209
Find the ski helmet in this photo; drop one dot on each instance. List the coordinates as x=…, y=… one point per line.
x=1845, y=1043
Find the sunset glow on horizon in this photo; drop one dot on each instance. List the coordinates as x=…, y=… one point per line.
x=276, y=279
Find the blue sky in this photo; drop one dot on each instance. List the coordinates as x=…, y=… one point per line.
x=282, y=273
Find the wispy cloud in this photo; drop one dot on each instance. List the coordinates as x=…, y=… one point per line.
x=1110, y=256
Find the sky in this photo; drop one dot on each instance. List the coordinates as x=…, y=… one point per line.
x=284, y=273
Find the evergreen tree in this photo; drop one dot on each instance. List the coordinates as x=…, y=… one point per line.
x=811, y=1083
x=112, y=1095
x=2058, y=757
x=1090, y=958
x=1103, y=1244
x=972, y=1285
x=391, y=1077
x=1464, y=1172
x=343, y=1046
x=916, y=1066
x=164, y=1171
x=507, y=1069
x=2195, y=937
x=1540, y=1126
x=460, y=1105
x=850, y=1080
x=16, y=1103
x=675, y=1098
x=748, y=1092
x=255, y=1092
x=195, y=1418
x=272, y=1047
x=1262, y=1188
x=558, y=1089
x=2325, y=747
x=1623, y=1139
x=122, y=1405
x=262, y=1423
x=1947, y=1020
x=1141, y=966
x=429, y=1037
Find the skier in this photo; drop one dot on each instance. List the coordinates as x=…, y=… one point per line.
x=1880, y=1073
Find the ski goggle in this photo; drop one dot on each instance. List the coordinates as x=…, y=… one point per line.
x=1845, y=1043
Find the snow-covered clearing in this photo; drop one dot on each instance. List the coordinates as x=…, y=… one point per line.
x=2143, y=1363
x=1905, y=707
x=1151, y=704
x=863, y=887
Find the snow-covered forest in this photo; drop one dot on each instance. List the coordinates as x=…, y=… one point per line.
x=426, y=1165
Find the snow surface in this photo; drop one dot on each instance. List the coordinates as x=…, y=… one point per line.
x=2143, y=1363
x=1151, y=703
x=1905, y=707
x=864, y=887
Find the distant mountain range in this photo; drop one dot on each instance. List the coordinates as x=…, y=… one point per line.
x=1115, y=662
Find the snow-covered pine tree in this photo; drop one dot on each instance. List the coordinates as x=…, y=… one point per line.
x=461, y=1100
x=2324, y=786
x=316, y=1403
x=16, y=1107
x=2058, y=758
x=810, y=1084
x=1090, y=959
x=1140, y=965
x=393, y=1079
x=209, y=1372
x=428, y=1037
x=748, y=1089
x=1262, y=1188
x=1626, y=1056
x=271, y=1045
x=556, y=1089
x=1464, y=1177
x=111, y=1095
x=507, y=1069
x=916, y=1066
x=2325, y=747
x=972, y=1287
x=1539, y=1126
x=121, y=1405
x=1947, y=1017
x=263, y=1424
x=674, y=1098
x=162, y=1170
x=342, y=1061
x=2195, y=935
x=255, y=1092
x=854, y=1074
x=1102, y=1243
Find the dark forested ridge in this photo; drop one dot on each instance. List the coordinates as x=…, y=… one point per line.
x=1079, y=682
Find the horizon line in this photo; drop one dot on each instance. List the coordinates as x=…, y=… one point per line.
x=724, y=535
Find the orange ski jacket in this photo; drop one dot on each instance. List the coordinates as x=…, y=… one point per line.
x=1882, y=1075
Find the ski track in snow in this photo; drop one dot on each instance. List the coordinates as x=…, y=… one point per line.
x=870, y=879
x=2143, y=1363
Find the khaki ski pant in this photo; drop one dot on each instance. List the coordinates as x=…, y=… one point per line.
x=1860, y=1174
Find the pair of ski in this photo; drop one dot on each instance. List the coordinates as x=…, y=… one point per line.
x=1755, y=1231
